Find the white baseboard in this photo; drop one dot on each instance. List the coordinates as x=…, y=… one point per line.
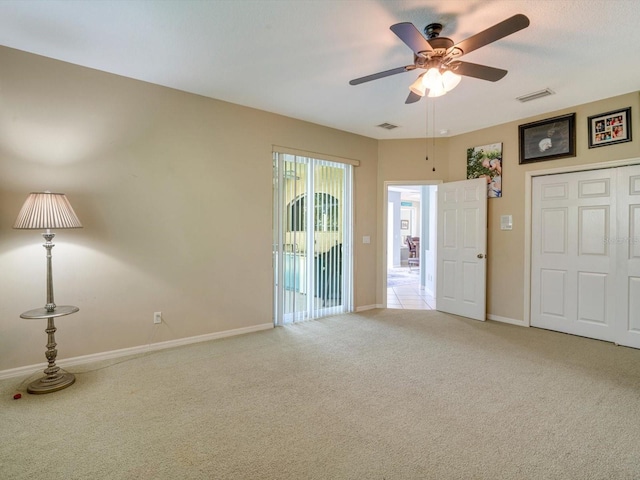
x=512, y=321
x=364, y=308
x=95, y=357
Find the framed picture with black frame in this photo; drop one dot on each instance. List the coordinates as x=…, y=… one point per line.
x=610, y=128
x=548, y=139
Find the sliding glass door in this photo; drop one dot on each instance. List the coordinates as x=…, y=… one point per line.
x=312, y=238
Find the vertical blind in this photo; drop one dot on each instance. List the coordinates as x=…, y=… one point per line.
x=312, y=238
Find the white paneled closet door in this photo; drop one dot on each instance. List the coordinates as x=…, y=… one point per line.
x=627, y=243
x=586, y=254
x=572, y=262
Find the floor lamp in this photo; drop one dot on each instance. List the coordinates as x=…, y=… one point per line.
x=46, y=211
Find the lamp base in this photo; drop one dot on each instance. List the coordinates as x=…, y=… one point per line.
x=53, y=379
x=49, y=384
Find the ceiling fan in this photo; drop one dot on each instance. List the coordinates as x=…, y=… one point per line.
x=439, y=57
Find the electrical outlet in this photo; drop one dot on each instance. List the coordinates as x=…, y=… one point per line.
x=157, y=317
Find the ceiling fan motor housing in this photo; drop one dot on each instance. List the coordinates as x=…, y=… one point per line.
x=442, y=46
x=433, y=30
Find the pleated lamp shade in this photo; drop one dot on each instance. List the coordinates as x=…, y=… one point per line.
x=45, y=210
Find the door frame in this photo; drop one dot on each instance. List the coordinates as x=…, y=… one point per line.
x=385, y=199
x=528, y=204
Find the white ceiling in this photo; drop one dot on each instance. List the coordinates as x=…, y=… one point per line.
x=296, y=57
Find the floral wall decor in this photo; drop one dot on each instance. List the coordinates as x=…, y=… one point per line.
x=486, y=161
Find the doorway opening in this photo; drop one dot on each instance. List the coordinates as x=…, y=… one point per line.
x=411, y=225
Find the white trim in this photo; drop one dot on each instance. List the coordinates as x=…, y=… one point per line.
x=349, y=235
x=96, y=357
x=527, y=249
x=364, y=308
x=527, y=215
x=510, y=321
x=315, y=155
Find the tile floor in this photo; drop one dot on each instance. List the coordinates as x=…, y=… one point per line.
x=409, y=296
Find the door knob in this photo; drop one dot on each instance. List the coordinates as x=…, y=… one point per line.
x=480, y=255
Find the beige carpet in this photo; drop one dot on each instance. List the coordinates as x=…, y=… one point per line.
x=387, y=394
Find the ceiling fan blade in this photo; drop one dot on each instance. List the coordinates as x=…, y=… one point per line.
x=412, y=98
x=386, y=73
x=474, y=70
x=491, y=34
x=409, y=34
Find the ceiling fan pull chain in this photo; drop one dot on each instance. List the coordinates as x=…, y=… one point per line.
x=433, y=136
x=426, y=131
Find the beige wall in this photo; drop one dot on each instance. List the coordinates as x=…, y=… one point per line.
x=505, y=273
x=174, y=192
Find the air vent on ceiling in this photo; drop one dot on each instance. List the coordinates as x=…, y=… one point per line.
x=535, y=95
x=387, y=126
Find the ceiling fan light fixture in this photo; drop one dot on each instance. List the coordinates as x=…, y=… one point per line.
x=418, y=87
x=450, y=80
x=438, y=83
x=432, y=79
x=436, y=92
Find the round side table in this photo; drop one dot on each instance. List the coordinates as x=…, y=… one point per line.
x=53, y=379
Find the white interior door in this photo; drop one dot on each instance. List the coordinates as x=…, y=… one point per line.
x=462, y=248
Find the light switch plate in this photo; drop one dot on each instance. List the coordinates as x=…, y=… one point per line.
x=506, y=222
